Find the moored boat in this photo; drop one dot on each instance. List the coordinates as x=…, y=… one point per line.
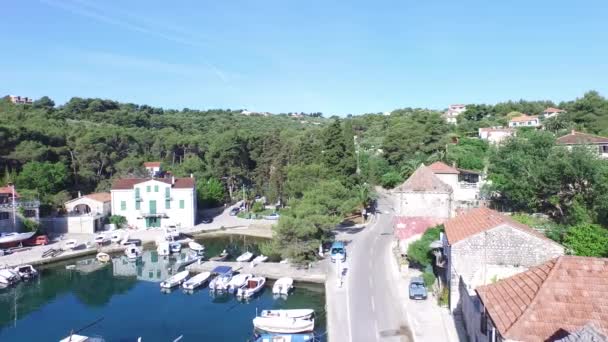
x=223, y=256
x=116, y=237
x=190, y=258
x=259, y=259
x=220, y=282
x=15, y=237
x=284, y=337
x=253, y=286
x=175, y=280
x=197, y=247
x=284, y=325
x=82, y=338
x=175, y=247
x=9, y=276
x=245, y=257
x=132, y=252
x=101, y=239
x=238, y=281
x=196, y=281
x=282, y=286
x=289, y=313
x=26, y=272
x=103, y=257
x=163, y=249
x=71, y=244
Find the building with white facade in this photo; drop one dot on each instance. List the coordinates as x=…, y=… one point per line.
x=525, y=121
x=85, y=214
x=495, y=135
x=155, y=202
x=453, y=111
x=153, y=168
x=551, y=112
x=11, y=207
x=594, y=143
x=20, y=99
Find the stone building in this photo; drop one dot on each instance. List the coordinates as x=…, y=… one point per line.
x=483, y=246
x=424, y=195
x=14, y=209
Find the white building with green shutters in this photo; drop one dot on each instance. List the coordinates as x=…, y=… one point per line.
x=155, y=202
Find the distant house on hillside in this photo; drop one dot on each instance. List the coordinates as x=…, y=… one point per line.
x=20, y=99
x=563, y=299
x=453, y=111
x=495, y=135
x=594, y=142
x=84, y=214
x=482, y=246
x=525, y=121
x=11, y=204
x=551, y=112
x=153, y=168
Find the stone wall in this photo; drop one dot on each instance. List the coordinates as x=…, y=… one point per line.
x=502, y=245
x=423, y=204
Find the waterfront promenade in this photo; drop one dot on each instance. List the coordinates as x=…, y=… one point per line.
x=271, y=270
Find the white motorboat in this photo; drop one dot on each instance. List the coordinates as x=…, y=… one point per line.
x=101, y=239
x=282, y=286
x=245, y=257
x=258, y=260
x=197, y=247
x=116, y=237
x=9, y=276
x=175, y=280
x=253, y=286
x=71, y=244
x=175, y=247
x=196, y=281
x=132, y=252
x=222, y=257
x=284, y=325
x=82, y=338
x=103, y=257
x=163, y=249
x=220, y=282
x=238, y=281
x=15, y=237
x=171, y=233
x=190, y=258
x=291, y=313
x=26, y=272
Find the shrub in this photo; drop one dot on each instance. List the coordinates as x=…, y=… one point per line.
x=429, y=279
x=419, y=251
x=118, y=220
x=587, y=240
x=30, y=225
x=444, y=297
x=257, y=207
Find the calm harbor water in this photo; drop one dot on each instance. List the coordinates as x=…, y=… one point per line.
x=125, y=301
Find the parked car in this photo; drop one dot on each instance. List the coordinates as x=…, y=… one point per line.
x=234, y=211
x=417, y=288
x=337, y=252
x=39, y=240
x=206, y=220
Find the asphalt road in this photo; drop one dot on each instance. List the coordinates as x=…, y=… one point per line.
x=373, y=299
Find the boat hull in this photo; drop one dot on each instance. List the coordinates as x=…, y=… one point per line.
x=284, y=325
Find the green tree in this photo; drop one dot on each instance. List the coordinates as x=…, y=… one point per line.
x=47, y=178
x=210, y=192
x=44, y=102
x=419, y=252
x=587, y=240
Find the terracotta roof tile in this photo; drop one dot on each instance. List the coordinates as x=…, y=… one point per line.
x=563, y=300
x=100, y=196
x=524, y=118
x=553, y=110
x=442, y=168
x=578, y=138
x=7, y=190
x=423, y=180
x=478, y=220
x=128, y=183
x=152, y=164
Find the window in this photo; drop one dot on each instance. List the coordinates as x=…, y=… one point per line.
x=137, y=205
x=123, y=205
x=181, y=204
x=137, y=193
x=167, y=192
x=167, y=204
x=148, y=188
x=604, y=149
x=3, y=216
x=156, y=188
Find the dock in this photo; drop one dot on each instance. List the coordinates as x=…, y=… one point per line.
x=271, y=270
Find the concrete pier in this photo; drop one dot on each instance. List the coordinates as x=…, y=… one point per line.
x=271, y=270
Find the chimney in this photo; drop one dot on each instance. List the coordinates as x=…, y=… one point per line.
x=191, y=175
x=79, y=194
x=172, y=180
x=573, y=131
x=454, y=164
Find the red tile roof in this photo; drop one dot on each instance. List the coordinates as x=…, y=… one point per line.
x=442, y=168
x=152, y=164
x=100, y=196
x=479, y=220
x=553, y=110
x=524, y=118
x=406, y=227
x=7, y=190
x=550, y=300
x=128, y=183
x=578, y=138
x=423, y=180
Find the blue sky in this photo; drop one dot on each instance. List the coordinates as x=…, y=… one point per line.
x=336, y=57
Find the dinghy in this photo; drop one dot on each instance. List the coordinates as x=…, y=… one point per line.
x=223, y=256
x=196, y=281
x=174, y=280
x=238, y=281
x=26, y=272
x=163, y=249
x=175, y=247
x=103, y=257
x=245, y=257
x=259, y=259
x=197, y=247
x=132, y=252
x=220, y=282
x=71, y=244
x=282, y=286
x=284, y=325
x=253, y=286
x=291, y=313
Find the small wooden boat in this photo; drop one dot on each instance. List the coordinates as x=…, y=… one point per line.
x=282, y=286
x=222, y=257
x=197, y=247
x=245, y=257
x=284, y=325
x=196, y=281
x=103, y=257
x=26, y=272
x=238, y=281
x=291, y=313
x=175, y=280
x=253, y=286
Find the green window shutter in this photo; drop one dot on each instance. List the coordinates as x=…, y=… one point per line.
x=167, y=192
x=148, y=188
x=152, y=207
x=123, y=205
x=156, y=188
x=137, y=205
x=181, y=204
x=136, y=192
x=167, y=204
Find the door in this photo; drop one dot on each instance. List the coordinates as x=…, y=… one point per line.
x=152, y=206
x=152, y=222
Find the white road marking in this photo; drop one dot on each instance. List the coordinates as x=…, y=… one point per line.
x=373, y=304
x=371, y=282
x=376, y=329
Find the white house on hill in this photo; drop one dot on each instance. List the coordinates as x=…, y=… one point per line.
x=155, y=202
x=525, y=121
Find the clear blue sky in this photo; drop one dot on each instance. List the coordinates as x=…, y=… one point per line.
x=336, y=57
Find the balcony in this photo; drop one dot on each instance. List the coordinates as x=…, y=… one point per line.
x=465, y=185
x=21, y=204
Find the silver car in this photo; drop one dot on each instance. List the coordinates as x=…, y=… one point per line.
x=417, y=288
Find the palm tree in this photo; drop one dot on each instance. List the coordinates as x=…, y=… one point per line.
x=364, y=195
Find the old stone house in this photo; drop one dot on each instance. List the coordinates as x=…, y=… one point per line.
x=482, y=246
x=563, y=299
x=423, y=194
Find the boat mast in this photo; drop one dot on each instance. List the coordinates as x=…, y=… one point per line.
x=13, y=202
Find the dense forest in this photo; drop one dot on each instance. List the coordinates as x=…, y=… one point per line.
x=323, y=169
